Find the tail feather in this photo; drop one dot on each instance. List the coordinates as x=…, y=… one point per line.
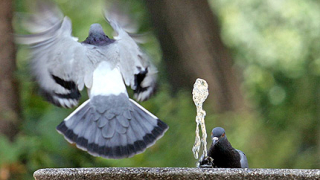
x=112, y=132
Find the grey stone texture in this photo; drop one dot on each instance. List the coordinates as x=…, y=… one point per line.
x=173, y=173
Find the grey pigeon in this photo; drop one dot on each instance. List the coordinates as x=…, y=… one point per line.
x=222, y=153
x=109, y=124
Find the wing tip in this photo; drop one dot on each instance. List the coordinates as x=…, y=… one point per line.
x=61, y=100
x=144, y=94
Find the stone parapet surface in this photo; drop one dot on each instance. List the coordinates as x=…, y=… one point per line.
x=173, y=173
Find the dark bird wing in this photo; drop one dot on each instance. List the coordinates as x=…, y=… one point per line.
x=243, y=159
x=137, y=70
x=60, y=64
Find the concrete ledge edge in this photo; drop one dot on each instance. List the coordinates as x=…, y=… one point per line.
x=172, y=173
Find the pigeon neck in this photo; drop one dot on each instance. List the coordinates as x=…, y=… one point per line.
x=224, y=155
x=98, y=39
x=224, y=146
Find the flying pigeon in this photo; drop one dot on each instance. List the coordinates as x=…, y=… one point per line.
x=222, y=153
x=109, y=124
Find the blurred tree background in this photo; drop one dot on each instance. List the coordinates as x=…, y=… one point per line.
x=269, y=106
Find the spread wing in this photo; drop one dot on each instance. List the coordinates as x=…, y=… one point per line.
x=59, y=63
x=137, y=70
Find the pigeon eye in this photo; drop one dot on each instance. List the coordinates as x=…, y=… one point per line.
x=223, y=134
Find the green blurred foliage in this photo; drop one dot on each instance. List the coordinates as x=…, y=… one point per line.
x=274, y=44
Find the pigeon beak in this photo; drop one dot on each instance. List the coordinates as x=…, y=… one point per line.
x=215, y=140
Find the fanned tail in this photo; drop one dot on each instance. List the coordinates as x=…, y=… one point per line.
x=112, y=127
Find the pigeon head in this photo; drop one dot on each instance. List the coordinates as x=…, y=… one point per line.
x=96, y=29
x=218, y=135
x=97, y=36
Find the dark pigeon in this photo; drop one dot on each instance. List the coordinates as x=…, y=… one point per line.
x=221, y=153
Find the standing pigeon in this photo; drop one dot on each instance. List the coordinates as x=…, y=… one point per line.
x=109, y=124
x=222, y=153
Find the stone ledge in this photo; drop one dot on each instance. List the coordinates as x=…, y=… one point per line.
x=172, y=173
